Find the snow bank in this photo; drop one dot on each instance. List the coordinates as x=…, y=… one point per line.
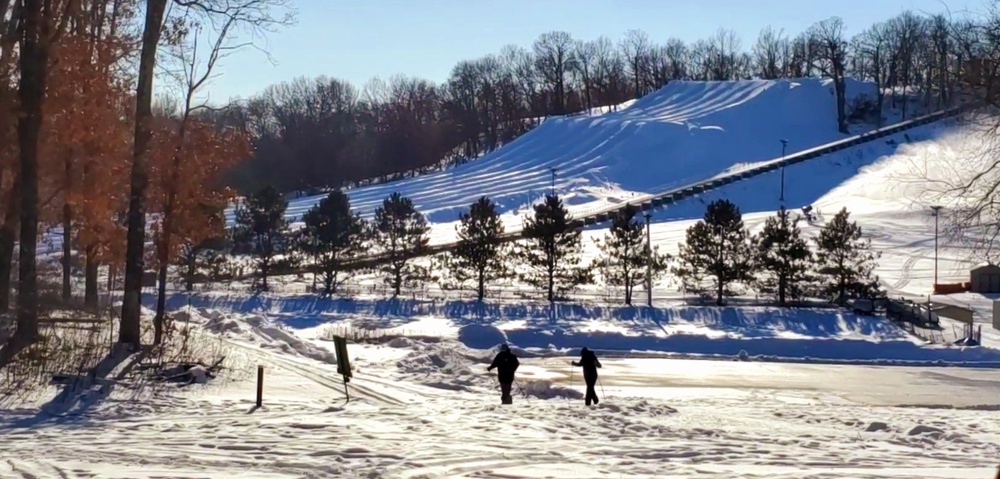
x=761, y=333
x=481, y=336
x=545, y=389
x=258, y=329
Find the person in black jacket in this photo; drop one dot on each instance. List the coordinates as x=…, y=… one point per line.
x=590, y=364
x=506, y=364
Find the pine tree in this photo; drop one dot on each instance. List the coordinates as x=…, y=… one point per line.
x=400, y=231
x=262, y=227
x=480, y=254
x=198, y=260
x=552, y=253
x=784, y=255
x=626, y=256
x=846, y=258
x=718, y=246
x=333, y=235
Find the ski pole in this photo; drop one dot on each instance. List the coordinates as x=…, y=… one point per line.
x=571, y=368
x=521, y=390
x=599, y=383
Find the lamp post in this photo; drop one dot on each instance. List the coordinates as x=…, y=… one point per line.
x=935, y=212
x=784, y=144
x=649, y=263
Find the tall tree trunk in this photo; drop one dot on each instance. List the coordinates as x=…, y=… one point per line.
x=720, y=285
x=90, y=301
x=67, y=234
x=129, y=332
x=31, y=91
x=552, y=281
x=628, y=293
x=8, y=231
x=67, y=252
x=8, y=234
x=192, y=268
x=161, y=302
x=481, y=291
x=782, y=286
x=840, y=85
x=163, y=250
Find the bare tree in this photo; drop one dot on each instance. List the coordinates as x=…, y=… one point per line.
x=194, y=69
x=768, y=53
x=612, y=81
x=636, y=47
x=722, y=58
x=906, y=34
x=554, y=60
x=584, y=67
x=675, y=52
x=129, y=332
x=254, y=13
x=872, y=49
x=827, y=38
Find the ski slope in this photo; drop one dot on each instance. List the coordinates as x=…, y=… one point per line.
x=684, y=132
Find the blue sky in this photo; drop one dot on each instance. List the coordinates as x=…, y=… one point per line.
x=358, y=39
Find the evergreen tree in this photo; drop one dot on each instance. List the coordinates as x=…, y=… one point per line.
x=261, y=227
x=846, y=258
x=552, y=253
x=626, y=256
x=400, y=232
x=480, y=252
x=717, y=246
x=332, y=235
x=197, y=260
x=784, y=255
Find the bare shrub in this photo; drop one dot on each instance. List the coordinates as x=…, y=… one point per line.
x=361, y=335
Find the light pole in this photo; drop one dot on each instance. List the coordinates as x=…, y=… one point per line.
x=935, y=212
x=784, y=144
x=649, y=264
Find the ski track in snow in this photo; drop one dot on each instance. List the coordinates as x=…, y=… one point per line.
x=460, y=438
x=451, y=434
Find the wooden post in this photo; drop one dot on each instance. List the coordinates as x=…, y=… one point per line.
x=260, y=385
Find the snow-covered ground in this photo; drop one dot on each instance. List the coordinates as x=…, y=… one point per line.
x=425, y=408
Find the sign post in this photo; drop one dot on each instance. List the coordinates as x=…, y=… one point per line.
x=343, y=363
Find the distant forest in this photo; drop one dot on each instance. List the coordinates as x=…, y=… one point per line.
x=314, y=133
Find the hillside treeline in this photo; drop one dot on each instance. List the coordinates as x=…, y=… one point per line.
x=325, y=132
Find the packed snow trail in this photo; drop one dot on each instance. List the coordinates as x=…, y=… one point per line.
x=774, y=423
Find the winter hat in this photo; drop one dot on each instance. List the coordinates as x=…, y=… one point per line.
x=504, y=347
x=584, y=351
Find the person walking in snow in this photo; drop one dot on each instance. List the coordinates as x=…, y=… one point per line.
x=590, y=364
x=506, y=364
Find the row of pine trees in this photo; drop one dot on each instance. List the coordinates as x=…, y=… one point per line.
x=778, y=261
x=719, y=250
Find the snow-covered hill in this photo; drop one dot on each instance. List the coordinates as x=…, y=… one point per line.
x=685, y=132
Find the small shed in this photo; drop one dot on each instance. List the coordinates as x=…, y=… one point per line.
x=985, y=279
